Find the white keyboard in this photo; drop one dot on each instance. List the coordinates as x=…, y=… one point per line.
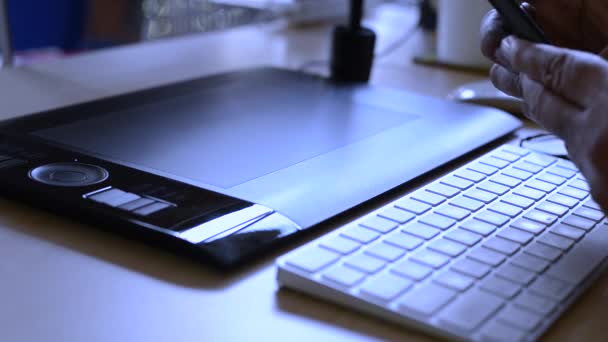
x=494, y=251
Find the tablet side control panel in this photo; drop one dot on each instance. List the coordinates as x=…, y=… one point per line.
x=205, y=224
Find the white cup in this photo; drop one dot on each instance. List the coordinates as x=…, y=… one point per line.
x=458, y=32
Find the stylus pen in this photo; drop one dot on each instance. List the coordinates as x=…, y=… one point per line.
x=5, y=35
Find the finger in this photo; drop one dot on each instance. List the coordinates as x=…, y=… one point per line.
x=492, y=33
x=574, y=75
x=531, y=10
x=506, y=81
x=548, y=109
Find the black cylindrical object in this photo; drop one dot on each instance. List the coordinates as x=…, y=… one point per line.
x=352, y=54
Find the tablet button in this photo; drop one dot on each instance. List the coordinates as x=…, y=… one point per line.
x=69, y=174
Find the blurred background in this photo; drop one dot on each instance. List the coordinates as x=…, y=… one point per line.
x=43, y=27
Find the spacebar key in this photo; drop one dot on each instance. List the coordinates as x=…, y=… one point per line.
x=584, y=257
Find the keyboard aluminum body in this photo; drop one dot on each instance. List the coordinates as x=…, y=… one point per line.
x=494, y=251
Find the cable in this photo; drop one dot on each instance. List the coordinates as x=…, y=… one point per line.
x=394, y=46
x=523, y=143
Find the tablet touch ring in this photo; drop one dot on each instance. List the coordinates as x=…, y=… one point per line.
x=69, y=174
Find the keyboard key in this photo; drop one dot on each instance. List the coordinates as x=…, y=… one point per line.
x=430, y=258
x=573, y=192
x=580, y=184
x=496, y=331
x=506, y=181
x=579, y=222
x=404, y=240
x=453, y=212
x=533, y=303
x=505, y=155
x=486, y=256
x=529, y=167
x=443, y=190
x=360, y=234
x=344, y=276
x=471, y=268
x=530, y=262
x=519, y=318
x=515, y=150
x=313, y=259
x=561, y=171
x=500, y=287
x=428, y=198
x=551, y=178
x=470, y=175
x=563, y=200
x=447, y=247
x=483, y=168
x=543, y=251
x=505, y=209
x=568, y=231
x=540, y=159
x=481, y=195
x=567, y=165
x=492, y=218
x=412, y=270
x=438, y=221
x=517, y=201
x=552, y=208
x=421, y=230
x=529, y=193
x=365, y=263
x=463, y=236
x=588, y=213
x=540, y=185
x=592, y=204
x=516, y=274
x=467, y=203
x=397, y=215
x=501, y=245
x=470, y=310
x=340, y=244
x=494, y=188
x=498, y=163
x=378, y=224
x=517, y=173
x=479, y=227
x=454, y=281
x=541, y=217
x=457, y=182
x=529, y=226
x=385, y=251
x=556, y=241
x=413, y=206
x=582, y=259
x=386, y=287
x=550, y=287
x=516, y=235
x=427, y=299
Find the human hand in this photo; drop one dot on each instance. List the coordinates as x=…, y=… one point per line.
x=566, y=92
x=575, y=24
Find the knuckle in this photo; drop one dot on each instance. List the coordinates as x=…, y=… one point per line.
x=555, y=69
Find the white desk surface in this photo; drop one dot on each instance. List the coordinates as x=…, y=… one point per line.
x=64, y=281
